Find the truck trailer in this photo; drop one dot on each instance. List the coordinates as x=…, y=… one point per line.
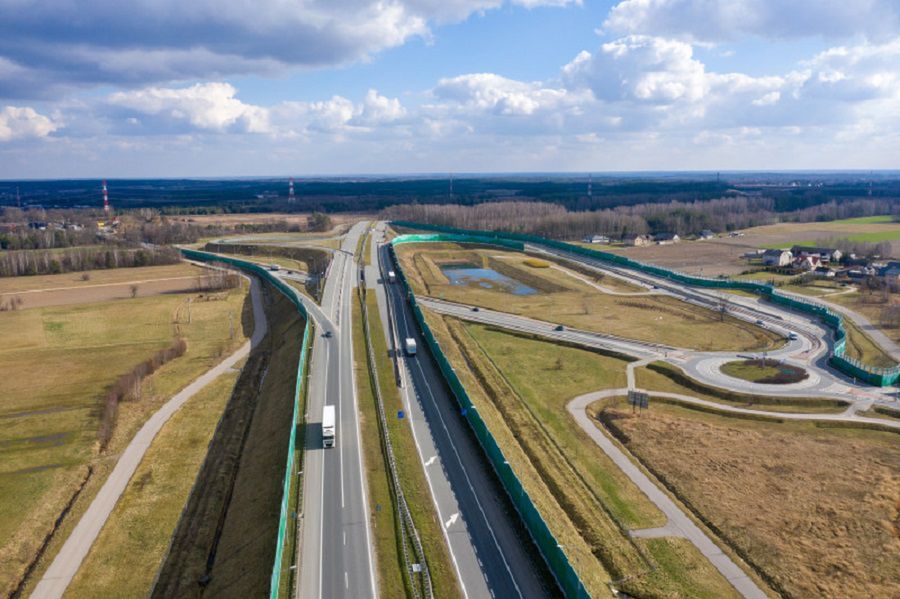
x=328, y=427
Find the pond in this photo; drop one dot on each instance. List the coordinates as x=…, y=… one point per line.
x=487, y=278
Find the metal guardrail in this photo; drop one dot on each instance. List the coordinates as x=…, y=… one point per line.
x=404, y=516
x=277, y=566
x=880, y=377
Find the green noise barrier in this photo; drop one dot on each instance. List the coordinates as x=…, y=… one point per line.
x=879, y=377
x=260, y=271
x=549, y=547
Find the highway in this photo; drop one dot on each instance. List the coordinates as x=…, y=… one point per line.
x=492, y=554
x=335, y=558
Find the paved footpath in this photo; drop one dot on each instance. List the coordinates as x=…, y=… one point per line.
x=679, y=524
x=66, y=563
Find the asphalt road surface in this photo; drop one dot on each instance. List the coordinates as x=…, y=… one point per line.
x=492, y=552
x=336, y=557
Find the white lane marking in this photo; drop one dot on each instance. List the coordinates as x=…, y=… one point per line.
x=431, y=460
x=407, y=390
x=451, y=520
x=345, y=537
x=468, y=480
x=346, y=580
x=322, y=489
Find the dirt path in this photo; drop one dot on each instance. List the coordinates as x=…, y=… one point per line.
x=66, y=563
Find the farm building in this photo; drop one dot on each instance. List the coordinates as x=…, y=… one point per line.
x=637, y=240
x=777, y=258
x=666, y=238
x=824, y=254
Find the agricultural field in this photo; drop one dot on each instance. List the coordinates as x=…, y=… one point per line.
x=102, y=285
x=55, y=367
x=586, y=499
x=722, y=255
x=563, y=296
x=815, y=509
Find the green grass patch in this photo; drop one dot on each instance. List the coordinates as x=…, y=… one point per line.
x=688, y=573
x=866, y=220
x=767, y=372
x=861, y=347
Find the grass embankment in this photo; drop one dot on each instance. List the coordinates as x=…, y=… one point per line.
x=562, y=298
x=813, y=509
x=873, y=308
x=140, y=527
x=521, y=386
x=660, y=376
x=409, y=469
x=764, y=371
x=229, y=526
x=861, y=347
x=54, y=368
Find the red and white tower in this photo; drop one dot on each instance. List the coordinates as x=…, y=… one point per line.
x=291, y=191
x=105, y=199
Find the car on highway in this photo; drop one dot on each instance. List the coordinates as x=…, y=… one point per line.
x=759, y=323
x=328, y=334
x=559, y=327
x=792, y=336
x=476, y=309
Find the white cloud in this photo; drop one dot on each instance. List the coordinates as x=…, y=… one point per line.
x=720, y=20
x=24, y=122
x=208, y=106
x=49, y=45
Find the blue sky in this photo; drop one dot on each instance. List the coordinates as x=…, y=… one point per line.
x=229, y=88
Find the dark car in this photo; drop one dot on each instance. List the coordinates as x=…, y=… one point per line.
x=328, y=334
x=476, y=309
x=559, y=327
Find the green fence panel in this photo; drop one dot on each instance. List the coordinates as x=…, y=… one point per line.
x=547, y=545
x=881, y=377
x=258, y=270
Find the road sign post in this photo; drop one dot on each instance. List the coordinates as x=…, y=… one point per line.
x=638, y=399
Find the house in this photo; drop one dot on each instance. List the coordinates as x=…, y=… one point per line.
x=826, y=255
x=601, y=239
x=824, y=272
x=637, y=240
x=777, y=258
x=707, y=234
x=808, y=262
x=666, y=238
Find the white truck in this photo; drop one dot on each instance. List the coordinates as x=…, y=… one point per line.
x=410, y=345
x=328, y=426
x=392, y=276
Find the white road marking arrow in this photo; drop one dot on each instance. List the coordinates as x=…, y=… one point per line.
x=431, y=460
x=452, y=519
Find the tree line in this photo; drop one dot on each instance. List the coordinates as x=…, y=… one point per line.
x=56, y=261
x=684, y=218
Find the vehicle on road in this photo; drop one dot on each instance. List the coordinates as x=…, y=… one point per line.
x=328, y=334
x=476, y=309
x=559, y=327
x=792, y=336
x=328, y=426
x=274, y=267
x=392, y=276
x=759, y=323
x=410, y=345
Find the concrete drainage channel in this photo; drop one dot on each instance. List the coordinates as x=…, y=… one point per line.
x=419, y=577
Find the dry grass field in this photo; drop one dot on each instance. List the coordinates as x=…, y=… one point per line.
x=815, y=509
x=563, y=298
x=55, y=366
x=141, y=524
x=102, y=285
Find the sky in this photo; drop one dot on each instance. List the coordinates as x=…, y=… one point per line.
x=222, y=88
